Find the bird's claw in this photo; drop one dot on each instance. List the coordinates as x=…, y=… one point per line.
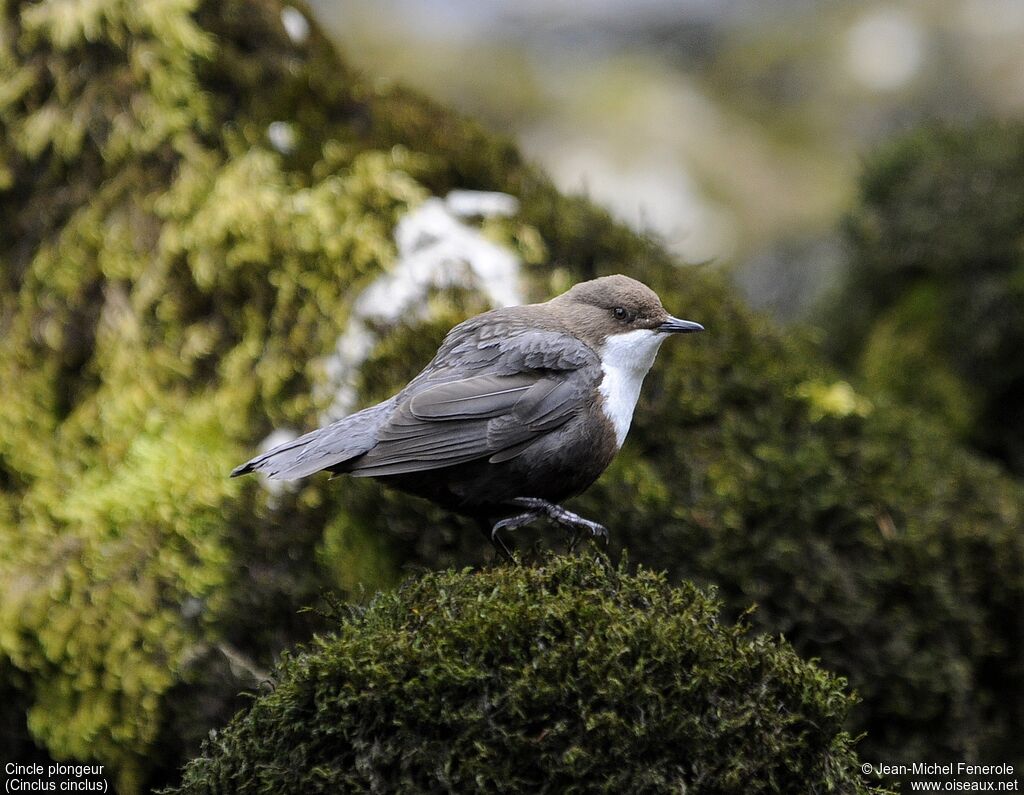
x=567, y=519
x=596, y=531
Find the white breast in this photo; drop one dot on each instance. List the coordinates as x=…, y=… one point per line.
x=625, y=360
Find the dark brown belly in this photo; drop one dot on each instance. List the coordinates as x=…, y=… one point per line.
x=557, y=466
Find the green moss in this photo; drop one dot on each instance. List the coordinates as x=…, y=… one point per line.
x=162, y=275
x=97, y=577
x=565, y=676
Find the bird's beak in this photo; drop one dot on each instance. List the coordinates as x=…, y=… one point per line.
x=676, y=326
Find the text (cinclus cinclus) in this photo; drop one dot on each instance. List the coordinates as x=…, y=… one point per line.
x=520, y=408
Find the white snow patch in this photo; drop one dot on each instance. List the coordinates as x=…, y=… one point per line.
x=467, y=203
x=295, y=24
x=282, y=136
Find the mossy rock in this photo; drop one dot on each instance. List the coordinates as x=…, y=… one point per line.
x=568, y=675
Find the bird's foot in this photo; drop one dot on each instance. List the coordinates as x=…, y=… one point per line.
x=579, y=526
x=511, y=523
x=536, y=508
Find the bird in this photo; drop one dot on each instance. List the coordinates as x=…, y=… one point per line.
x=521, y=408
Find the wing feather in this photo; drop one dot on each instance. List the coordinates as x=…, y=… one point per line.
x=499, y=383
x=492, y=417
x=480, y=396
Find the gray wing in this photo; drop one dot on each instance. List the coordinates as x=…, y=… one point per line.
x=505, y=342
x=496, y=385
x=487, y=416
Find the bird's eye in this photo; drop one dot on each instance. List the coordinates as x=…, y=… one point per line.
x=620, y=313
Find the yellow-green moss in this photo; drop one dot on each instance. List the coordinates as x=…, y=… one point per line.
x=163, y=274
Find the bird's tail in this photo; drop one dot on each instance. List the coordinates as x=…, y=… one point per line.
x=325, y=448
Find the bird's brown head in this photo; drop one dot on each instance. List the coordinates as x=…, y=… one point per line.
x=611, y=306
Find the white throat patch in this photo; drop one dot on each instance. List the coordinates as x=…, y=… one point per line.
x=625, y=360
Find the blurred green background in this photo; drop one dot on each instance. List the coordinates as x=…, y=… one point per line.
x=212, y=228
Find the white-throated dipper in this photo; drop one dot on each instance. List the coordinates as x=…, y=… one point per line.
x=520, y=408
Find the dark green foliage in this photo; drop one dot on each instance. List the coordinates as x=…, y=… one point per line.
x=565, y=676
x=933, y=304
x=907, y=585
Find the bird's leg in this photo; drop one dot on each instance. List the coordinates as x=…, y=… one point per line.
x=511, y=523
x=565, y=518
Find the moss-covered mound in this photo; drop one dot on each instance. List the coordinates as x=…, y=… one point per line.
x=933, y=302
x=195, y=198
x=568, y=676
